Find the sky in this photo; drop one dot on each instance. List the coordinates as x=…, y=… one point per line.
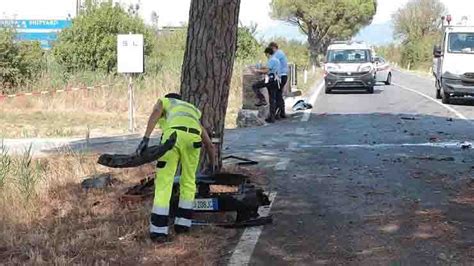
x=175, y=12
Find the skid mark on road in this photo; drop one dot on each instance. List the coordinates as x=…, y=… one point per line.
x=312, y=100
x=245, y=247
x=449, y=108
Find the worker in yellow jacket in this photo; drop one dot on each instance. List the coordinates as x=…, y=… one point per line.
x=176, y=115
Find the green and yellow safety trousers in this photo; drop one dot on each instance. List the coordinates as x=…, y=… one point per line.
x=187, y=151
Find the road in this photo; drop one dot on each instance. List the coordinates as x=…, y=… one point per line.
x=368, y=180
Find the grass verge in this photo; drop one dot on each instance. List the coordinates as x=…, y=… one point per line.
x=51, y=220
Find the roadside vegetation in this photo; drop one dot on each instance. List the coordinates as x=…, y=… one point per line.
x=74, y=62
x=418, y=28
x=48, y=219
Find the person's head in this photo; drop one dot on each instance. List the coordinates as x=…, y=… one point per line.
x=274, y=46
x=173, y=96
x=269, y=52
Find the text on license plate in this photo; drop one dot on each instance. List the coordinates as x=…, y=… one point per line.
x=206, y=204
x=349, y=79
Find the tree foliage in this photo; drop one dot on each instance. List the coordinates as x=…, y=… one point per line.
x=325, y=20
x=417, y=25
x=248, y=48
x=91, y=42
x=418, y=18
x=20, y=62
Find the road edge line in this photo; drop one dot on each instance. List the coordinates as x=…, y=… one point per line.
x=244, y=249
x=452, y=110
x=312, y=100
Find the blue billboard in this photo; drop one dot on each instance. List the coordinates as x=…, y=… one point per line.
x=44, y=31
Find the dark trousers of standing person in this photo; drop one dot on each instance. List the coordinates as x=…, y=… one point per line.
x=272, y=87
x=280, y=102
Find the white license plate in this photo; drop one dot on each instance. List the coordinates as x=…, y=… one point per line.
x=206, y=204
x=349, y=79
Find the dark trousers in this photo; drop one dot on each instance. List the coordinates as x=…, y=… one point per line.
x=272, y=87
x=280, y=102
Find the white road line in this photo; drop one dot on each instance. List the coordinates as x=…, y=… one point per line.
x=245, y=247
x=312, y=101
x=454, y=111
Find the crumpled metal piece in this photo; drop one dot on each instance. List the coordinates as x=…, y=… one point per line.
x=151, y=154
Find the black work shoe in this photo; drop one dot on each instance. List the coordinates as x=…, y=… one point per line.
x=283, y=116
x=179, y=229
x=261, y=103
x=159, y=238
x=270, y=120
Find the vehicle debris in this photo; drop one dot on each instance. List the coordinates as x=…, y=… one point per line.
x=466, y=145
x=301, y=105
x=98, y=181
x=245, y=200
x=134, y=160
x=407, y=118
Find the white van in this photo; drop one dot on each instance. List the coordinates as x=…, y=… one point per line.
x=349, y=65
x=454, y=63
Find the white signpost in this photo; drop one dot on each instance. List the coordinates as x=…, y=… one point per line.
x=130, y=61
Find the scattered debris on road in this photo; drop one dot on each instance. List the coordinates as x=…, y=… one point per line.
x=466, y=145
x=301, y=105
x=408, y=118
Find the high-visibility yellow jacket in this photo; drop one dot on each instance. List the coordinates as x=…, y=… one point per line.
x=179, y=113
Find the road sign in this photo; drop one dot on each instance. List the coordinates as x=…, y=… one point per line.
x=130, y=53
x=44, y=31
x=129, y=61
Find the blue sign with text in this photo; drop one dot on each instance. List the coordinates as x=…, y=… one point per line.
x=35, y=24
x=44, y=31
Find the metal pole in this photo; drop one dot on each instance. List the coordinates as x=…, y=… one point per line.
x=131, y=107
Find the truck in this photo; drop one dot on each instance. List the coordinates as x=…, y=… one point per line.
x=453, y=64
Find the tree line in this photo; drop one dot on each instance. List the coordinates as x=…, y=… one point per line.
x=417, y=28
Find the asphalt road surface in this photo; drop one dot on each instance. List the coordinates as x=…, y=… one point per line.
x=375, y=179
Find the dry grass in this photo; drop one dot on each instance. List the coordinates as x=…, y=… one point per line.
x=62, y=224
x=97, y=112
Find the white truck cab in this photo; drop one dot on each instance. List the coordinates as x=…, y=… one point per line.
x=453, y=65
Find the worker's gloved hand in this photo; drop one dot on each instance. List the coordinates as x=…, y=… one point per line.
x=143, y=145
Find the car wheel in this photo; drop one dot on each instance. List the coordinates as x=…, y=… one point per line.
x=445, y=98
x=438, y=90
x=370, y=89
x=327, y=90
x=389, y=79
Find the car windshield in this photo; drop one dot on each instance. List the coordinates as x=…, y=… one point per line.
x=462, y=43
x=349, y=56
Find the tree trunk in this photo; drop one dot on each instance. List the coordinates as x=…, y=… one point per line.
x=209, y=60
x=314, y=52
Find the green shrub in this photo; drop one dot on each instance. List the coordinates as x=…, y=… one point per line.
x=20, y=62
x=90, y=44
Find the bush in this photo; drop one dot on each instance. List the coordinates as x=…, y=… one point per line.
x=248, y=48
x=20, y=62
x=90, y=44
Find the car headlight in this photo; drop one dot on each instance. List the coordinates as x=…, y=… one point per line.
x=366, y=69
x=330, y=68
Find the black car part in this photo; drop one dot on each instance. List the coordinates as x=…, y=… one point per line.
x=245, y=201
x=151, y=154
